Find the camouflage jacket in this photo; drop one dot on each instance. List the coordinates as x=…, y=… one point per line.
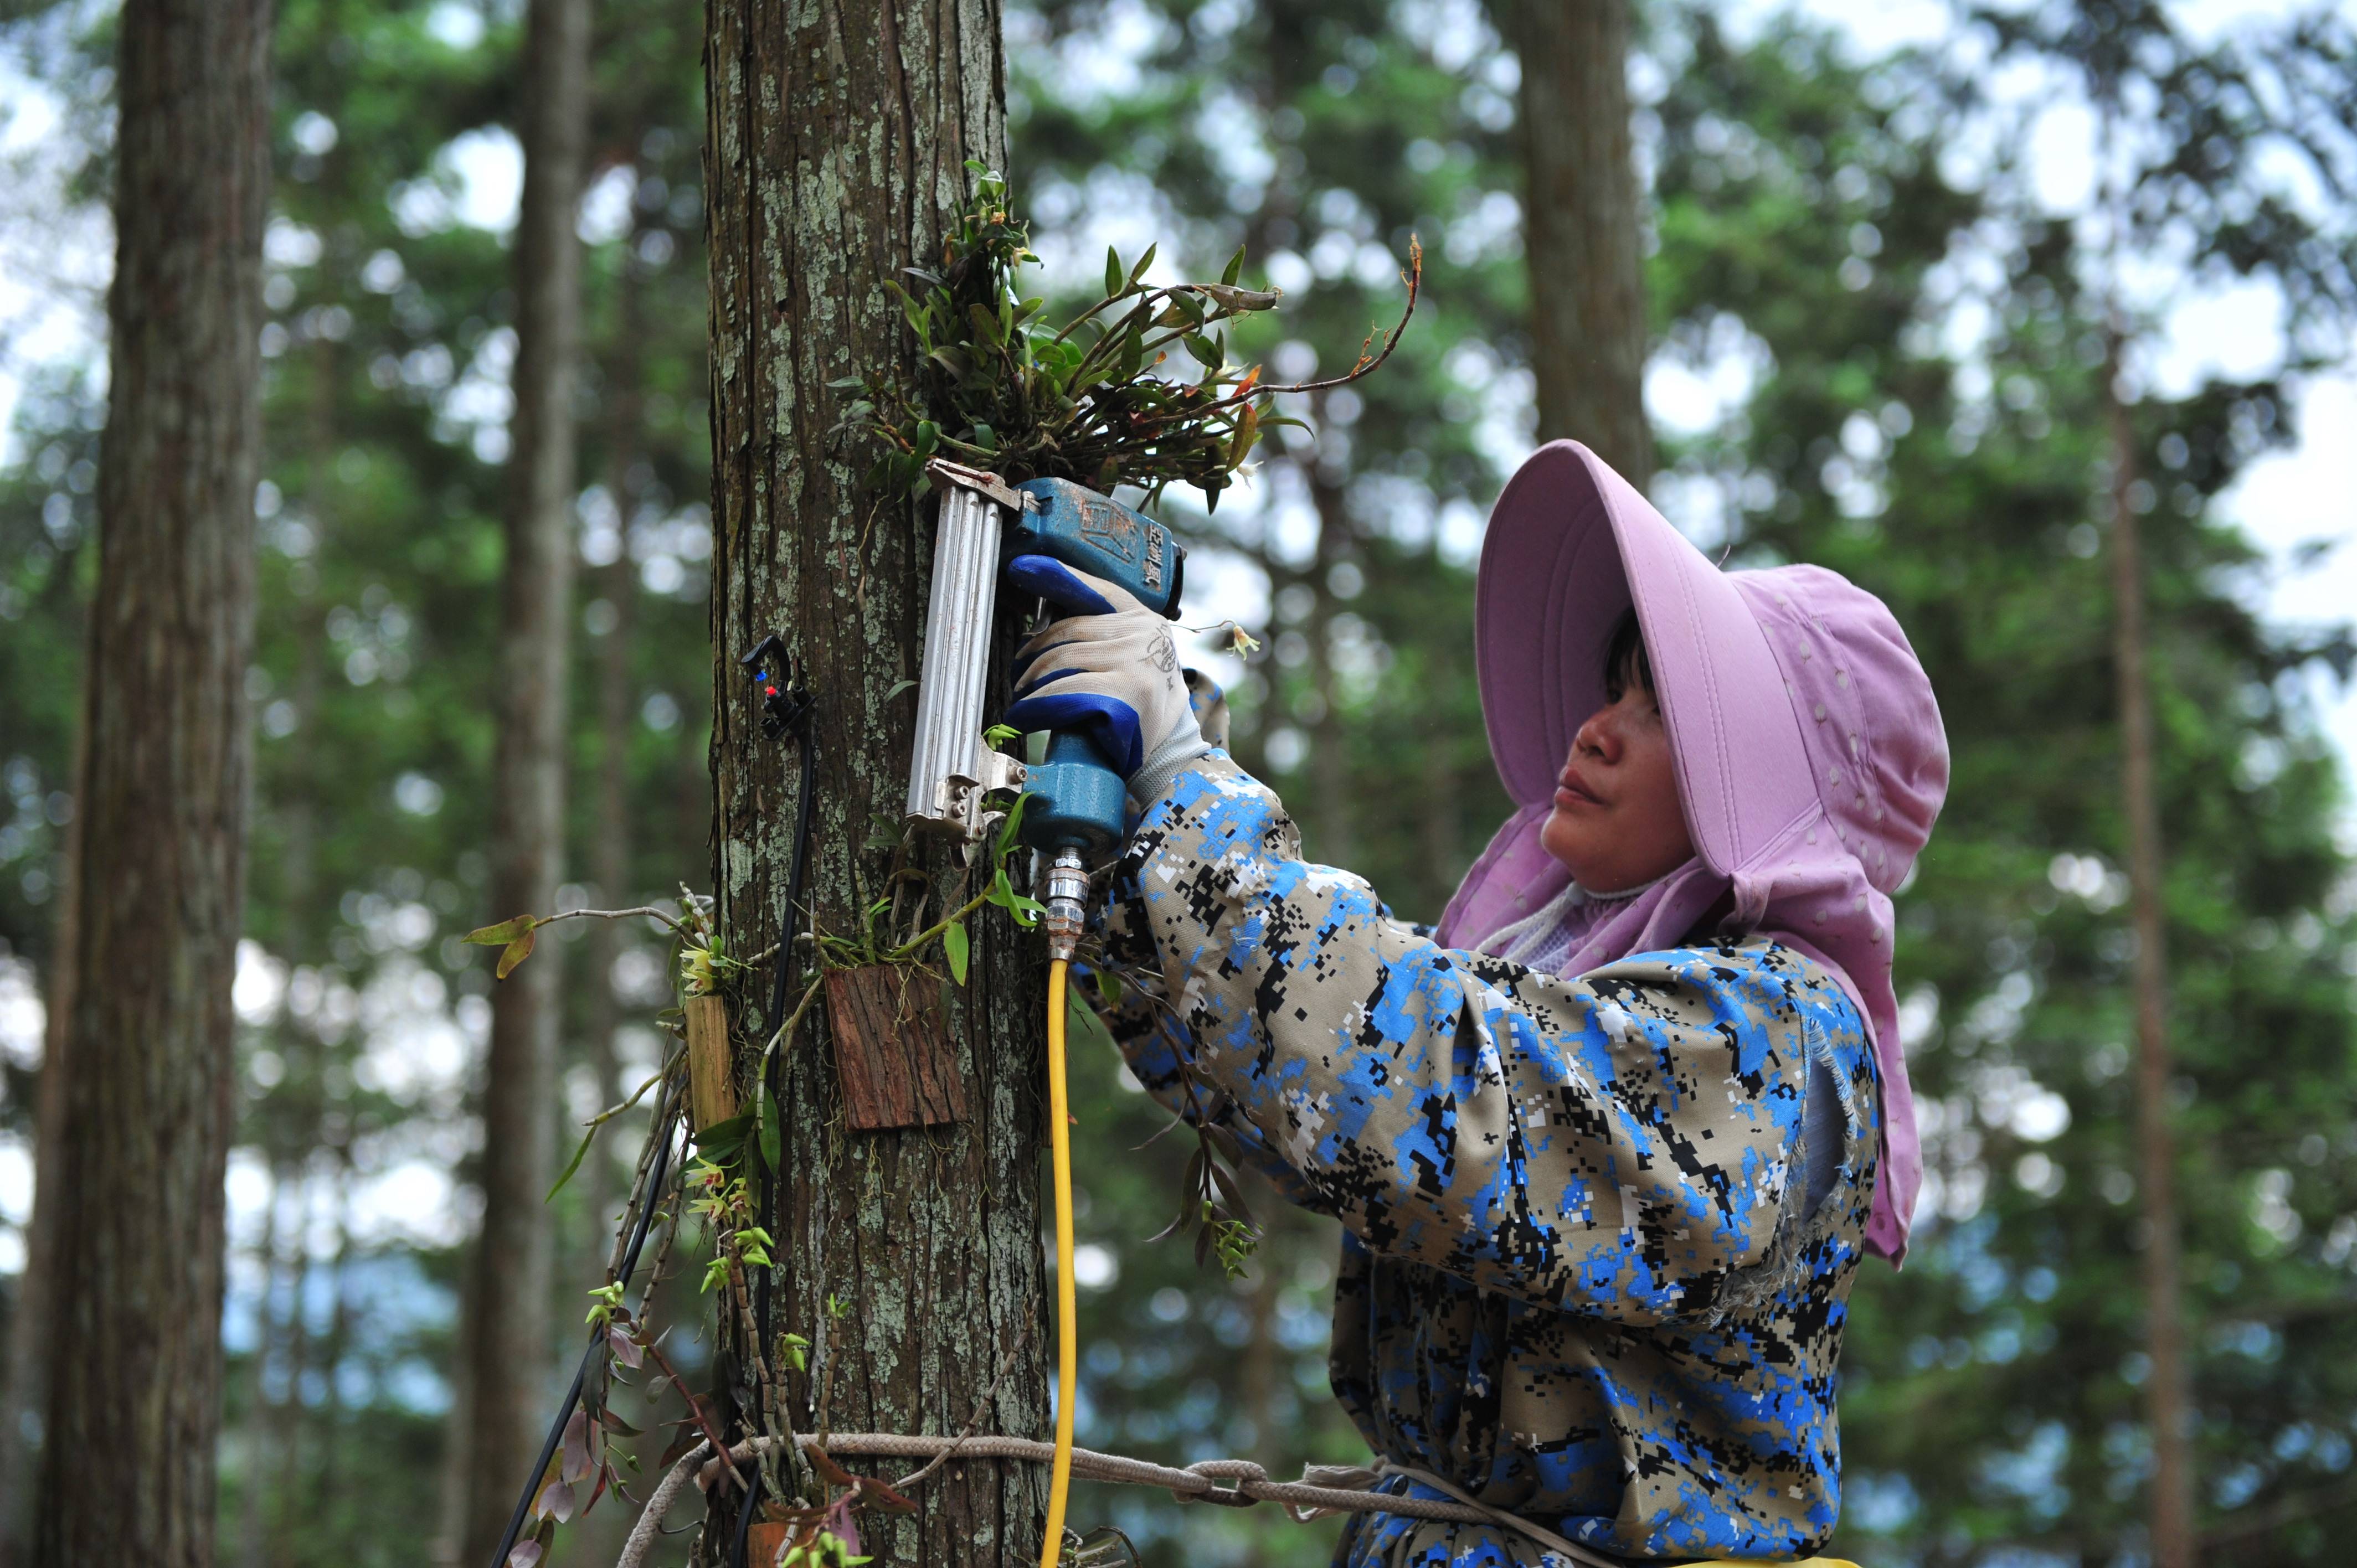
x=1577, y=1280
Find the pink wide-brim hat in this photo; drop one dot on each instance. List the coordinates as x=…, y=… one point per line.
x=1570, y=543
x=1809, y=753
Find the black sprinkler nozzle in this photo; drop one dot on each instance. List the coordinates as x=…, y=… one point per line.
x=783, y=698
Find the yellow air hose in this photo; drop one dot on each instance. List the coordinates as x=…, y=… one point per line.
x=1068, y=1355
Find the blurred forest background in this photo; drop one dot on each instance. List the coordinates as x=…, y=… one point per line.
x=1900, y=343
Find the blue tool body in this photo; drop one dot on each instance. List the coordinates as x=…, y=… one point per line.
x=1079, y=801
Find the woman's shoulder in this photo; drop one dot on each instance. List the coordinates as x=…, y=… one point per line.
x=1756, y=978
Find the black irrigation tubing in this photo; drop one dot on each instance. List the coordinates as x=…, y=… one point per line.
x=786, y=707
x=664, y=1109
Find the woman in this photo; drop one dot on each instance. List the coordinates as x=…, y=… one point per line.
x=1608, y=1144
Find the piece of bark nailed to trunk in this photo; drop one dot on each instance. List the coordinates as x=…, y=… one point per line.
x=892, y=1049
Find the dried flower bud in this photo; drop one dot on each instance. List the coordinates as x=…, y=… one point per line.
x=1229, y=297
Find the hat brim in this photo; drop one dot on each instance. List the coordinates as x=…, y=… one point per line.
x=1571, y=545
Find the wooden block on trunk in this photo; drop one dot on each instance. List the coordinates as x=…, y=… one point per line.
x=711, y=1077
x=892, y=1048
x=765, y=1542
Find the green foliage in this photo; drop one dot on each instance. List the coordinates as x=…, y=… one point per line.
x=997, y=388
x=724, y=1202
x=1001, y=390
x=48, y=512
x=827, y=1550
x=1803, y=220
x=1990, y=1403
x=1026, y=910
x=604, y=1301
x=377, y=550
x=1990, y=1400
x=874, y=943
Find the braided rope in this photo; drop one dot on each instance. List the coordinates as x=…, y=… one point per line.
x=650, y=1520
x=1303, y=1500
x=1249, y=1483
x=1196, y=1483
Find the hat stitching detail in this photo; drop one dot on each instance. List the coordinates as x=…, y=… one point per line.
x=1717, y=714
x=1554, y=697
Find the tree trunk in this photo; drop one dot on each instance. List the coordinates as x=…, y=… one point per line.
x=2169, y=1399
x=26, y=1397
x=1580, y=235
x=610, y=854
x=837, y=132
x=134, y=1300
x=508, y=1338
x=1330, y=834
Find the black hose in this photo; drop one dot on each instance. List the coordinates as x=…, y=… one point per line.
x=768, y=1216
x=785, y=706
x=664, y=1109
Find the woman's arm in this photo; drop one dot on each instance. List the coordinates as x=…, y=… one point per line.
x=1617, y=1144
x=1154, y=1042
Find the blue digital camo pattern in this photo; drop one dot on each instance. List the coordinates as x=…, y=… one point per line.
x=1572, y=1281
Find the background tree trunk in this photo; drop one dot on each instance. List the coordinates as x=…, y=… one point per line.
x=134, y=1301
x=27, y=1395
x=1580, y=234
x=509, y=1337
x=2168, y=1397
x=837, y=135
x=1330, y=836
x=611, y=849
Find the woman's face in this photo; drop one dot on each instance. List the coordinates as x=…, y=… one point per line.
x=1617, y=822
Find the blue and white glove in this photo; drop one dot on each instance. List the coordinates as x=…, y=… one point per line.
x=1111, y=669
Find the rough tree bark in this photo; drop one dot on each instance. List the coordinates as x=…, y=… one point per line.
x=1579, y=226
x=2169, y=1395
x=837, y=132
x=508, y=1341
x=134, y=1300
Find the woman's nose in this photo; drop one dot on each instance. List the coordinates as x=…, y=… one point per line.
x=1598, y=737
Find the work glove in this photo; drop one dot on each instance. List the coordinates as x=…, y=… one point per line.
x=1110, y=669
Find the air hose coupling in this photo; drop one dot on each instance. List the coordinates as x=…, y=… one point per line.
x=1068, y=894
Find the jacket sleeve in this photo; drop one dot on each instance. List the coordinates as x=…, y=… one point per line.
x=1159, y=1050
x=1618, y=1143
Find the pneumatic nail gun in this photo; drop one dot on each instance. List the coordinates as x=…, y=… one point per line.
x=1078, y=802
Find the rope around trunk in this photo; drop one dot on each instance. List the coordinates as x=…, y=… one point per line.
x=1323, y=1489
x=650, y=1518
